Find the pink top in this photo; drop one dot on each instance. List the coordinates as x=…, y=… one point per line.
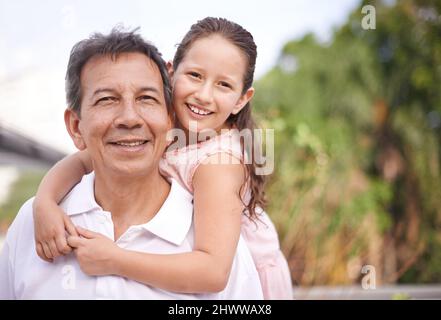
x=260, y=234
x=181, y=164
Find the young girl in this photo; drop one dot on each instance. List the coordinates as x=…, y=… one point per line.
x=212, y=75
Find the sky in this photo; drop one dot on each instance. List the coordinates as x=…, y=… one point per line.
x=36, y=38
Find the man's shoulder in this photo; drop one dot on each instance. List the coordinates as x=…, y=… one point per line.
x=179, y=197
x=179, y=191
x=25, y=211
x=23, y=222
x=81, y=197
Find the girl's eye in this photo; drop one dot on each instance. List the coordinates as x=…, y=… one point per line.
x=194, y=74
x=225, y=84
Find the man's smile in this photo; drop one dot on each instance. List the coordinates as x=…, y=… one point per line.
x=132, y=145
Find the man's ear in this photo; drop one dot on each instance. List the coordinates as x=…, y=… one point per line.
x=243, y=100
x=170, y=70
x=72, y=121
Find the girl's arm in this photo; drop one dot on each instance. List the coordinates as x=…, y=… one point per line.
x=63, y=176
x=217, y=218
x=50, y=222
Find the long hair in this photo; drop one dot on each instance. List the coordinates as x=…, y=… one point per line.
x=242, y=39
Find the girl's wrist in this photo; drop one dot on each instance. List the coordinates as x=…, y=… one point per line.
x=116, y=259
x=40, y=203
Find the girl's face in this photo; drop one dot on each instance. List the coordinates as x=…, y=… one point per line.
x=208, y=84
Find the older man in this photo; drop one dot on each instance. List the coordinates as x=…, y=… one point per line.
x=125, y=198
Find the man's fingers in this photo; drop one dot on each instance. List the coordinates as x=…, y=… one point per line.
x=62, y=245
x=70, y=227
x=41, y=253
x=47, y=251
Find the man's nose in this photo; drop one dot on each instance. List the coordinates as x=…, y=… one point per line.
x=204, y=94
x=128, y=116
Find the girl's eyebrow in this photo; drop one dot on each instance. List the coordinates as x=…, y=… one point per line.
x=199, y=68
x=228, y=78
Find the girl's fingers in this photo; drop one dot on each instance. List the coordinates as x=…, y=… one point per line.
x=74, y=241
x=62, y=245
x=47, y=251
x=53, y=248
x=41, y=253
x=70, y=227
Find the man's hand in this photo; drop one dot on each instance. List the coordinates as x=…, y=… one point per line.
x=95, y=252
x=51, y=225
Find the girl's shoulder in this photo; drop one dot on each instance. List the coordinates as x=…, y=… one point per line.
x=183, y=162
x=227, y=141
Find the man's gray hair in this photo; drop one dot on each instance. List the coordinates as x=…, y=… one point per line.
x=113, y=44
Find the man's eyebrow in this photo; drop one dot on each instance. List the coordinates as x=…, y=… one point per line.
x=149, y=89
x=102, y=90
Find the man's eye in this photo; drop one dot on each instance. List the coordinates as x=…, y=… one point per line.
x=146, y=98
x=106, y=99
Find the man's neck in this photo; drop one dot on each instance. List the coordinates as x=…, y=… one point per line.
x=130, y=200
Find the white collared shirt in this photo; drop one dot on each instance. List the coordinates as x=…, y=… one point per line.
x=23, y=275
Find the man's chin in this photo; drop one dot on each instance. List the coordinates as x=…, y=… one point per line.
x=127, y=168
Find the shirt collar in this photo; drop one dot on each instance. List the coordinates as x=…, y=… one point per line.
x=171, y=223
x=174, y=219
x=81, y=199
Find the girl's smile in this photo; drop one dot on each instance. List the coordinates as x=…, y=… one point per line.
x=208, y=83
x=198, y=112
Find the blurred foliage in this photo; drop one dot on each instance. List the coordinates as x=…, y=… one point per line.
x=22, y=189
x=358, y=128
x=401, y=296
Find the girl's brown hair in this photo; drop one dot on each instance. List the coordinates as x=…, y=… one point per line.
x=242, y=120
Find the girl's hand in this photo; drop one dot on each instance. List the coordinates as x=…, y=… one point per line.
x=95, y=252
x=50, y=225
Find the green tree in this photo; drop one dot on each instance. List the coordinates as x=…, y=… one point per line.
x=357, y=122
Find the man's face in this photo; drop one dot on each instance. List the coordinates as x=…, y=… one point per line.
x=124, y=118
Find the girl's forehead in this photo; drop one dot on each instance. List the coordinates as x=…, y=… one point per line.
x=216, y=50
x=214, y=40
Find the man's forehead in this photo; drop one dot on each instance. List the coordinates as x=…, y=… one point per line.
x=133, y=67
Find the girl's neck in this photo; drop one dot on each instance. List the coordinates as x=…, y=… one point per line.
x=194, y=137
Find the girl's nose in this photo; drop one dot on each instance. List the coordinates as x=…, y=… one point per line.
x=204, y=94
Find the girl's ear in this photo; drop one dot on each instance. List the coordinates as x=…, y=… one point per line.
x=170, y=137
x=170, y=122
x=72, y=121
x=170, y=69
x=243, y=100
